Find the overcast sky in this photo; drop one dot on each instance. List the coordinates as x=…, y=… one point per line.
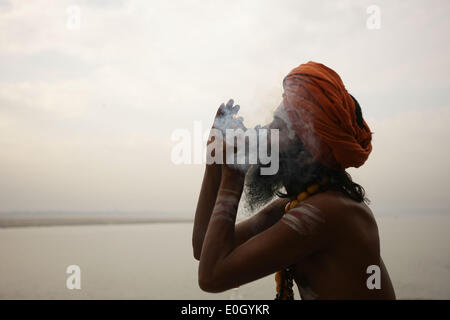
x=87, y=111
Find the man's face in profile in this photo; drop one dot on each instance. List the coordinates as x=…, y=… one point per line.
x=285, y=140
x=260, y=189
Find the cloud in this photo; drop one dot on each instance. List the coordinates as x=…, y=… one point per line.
x=98, y=104
x=407, y=170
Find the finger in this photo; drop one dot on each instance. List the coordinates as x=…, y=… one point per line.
x=230, y=103
x=240, y=123
x=221, y=109
x=236, y=109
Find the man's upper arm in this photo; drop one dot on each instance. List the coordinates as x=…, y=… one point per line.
x=305, y=219
x=261, y=221
x=301, y=232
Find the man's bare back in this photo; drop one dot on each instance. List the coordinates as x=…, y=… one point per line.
x=340, y=270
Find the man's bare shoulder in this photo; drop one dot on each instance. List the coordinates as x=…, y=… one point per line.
x=339, y=209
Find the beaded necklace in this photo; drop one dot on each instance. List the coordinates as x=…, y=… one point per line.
x=285, y=278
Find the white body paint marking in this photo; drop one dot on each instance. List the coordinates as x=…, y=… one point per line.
x=230, y=191
x=226, y=207
x=223, y=217
x=228, y=200
x=304, y=219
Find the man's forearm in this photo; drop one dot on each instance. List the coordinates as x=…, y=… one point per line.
x=220, y=236
x=205, y=205
x=261, y=221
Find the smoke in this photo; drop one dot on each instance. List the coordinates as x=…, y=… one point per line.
x=245, y=146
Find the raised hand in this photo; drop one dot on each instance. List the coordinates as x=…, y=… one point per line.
x=226, y=117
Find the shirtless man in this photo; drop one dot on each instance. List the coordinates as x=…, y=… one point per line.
x=330, y=238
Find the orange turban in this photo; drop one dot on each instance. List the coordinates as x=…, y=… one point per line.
x=323, y=115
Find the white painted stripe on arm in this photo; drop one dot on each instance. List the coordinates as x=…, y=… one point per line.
x=304, y=219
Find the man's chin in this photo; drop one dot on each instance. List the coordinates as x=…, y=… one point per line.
x=260, y=189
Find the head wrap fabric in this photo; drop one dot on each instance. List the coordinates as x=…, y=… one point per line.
x=323, y=115
x=281, y=113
